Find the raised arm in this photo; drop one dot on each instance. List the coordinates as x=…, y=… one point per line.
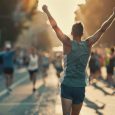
x=62, y=37
x=97, y=35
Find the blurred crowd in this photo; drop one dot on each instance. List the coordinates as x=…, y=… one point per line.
x=11, y=59
x=103, y=58
x=36, y=61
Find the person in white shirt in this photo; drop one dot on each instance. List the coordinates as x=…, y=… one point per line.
x=33, y=66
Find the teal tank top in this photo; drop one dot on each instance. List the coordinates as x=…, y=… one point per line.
x=75, y=64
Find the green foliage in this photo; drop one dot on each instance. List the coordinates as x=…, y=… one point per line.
x=7, y=28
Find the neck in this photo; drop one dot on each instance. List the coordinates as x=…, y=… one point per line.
x=77, y=38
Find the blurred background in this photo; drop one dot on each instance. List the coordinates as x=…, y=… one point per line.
x=25, y=19
x=24, y=26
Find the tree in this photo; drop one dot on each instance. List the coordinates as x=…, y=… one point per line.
x=7, y=28
x=93, y=13
x=22, y=24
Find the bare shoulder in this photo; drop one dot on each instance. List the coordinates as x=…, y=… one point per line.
x=67, y=41
x=67, y=45
x=89, y=42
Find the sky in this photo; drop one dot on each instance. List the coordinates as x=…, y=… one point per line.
x=62, y=11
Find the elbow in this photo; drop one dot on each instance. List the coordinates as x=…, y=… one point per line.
x=55, y=27
x=53, y=24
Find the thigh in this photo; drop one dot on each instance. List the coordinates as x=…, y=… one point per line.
x=66, y=106
x=11, y=72
x=31, y=74
x=8, y=72
x=34, y=75
x=66, y=98
x=78, y=95
x=76, y=108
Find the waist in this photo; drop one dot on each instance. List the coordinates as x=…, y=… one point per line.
x=74, y=74
x=11, y=65
x=74, y=82
x=33, y=67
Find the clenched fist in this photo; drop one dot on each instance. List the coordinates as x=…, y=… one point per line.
x=45, y=8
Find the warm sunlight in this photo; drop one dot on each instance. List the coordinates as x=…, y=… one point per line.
x=28, y=4
x=63, y=11
x=44, y=71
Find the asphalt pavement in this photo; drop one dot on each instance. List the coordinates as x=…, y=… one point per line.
x=46, y=100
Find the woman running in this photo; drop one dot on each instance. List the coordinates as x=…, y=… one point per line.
x=33, y=66
x=76, y=54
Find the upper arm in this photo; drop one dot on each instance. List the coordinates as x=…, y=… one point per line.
x=62, y=37
x=95, y=37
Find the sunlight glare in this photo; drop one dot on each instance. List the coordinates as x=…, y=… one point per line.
x=62, y=11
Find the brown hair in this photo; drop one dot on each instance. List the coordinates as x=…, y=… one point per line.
x=77, y=29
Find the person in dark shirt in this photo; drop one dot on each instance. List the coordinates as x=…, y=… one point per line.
x=110, y=66
x=1, y=63
x=94, y=67
x=8, y=65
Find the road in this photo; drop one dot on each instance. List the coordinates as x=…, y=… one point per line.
x=46, y=101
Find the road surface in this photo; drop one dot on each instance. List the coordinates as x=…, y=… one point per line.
x=46, y=101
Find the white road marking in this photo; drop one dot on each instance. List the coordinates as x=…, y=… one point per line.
x=12, y=104
x=14, y=85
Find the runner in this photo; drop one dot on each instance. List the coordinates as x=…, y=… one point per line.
x=8, y=65
x=110, y=67
x=94, y=67
x=76, y=54
x=58, y=64
x=33, y=66
x=1, y=63
x=45, y=65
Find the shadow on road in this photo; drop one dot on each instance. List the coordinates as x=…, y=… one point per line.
x=94, y=106
x=26, y=106
x=101, y=89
